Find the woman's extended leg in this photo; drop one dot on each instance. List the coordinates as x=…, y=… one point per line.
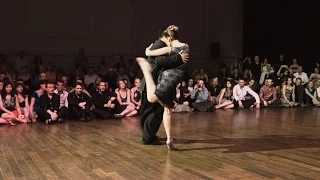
x=151, y=86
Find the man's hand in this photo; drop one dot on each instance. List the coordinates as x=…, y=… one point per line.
x=82, y=105
x=184, y=56
x=112, y=106
x=258, y=105
x=265, y=103
x=54, y=116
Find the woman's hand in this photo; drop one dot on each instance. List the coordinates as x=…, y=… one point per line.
x=147, y=52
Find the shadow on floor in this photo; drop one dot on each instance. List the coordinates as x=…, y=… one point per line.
x=264, y=143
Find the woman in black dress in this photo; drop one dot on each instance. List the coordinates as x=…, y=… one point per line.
x=165, y=91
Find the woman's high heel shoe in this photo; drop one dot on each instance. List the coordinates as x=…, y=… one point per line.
x=170, y=145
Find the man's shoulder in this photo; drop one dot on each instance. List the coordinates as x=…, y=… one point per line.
x=157, y=44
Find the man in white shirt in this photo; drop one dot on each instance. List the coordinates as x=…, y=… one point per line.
x=63, y=94
x=239, y=93
x=90, y=77
x=302, y=75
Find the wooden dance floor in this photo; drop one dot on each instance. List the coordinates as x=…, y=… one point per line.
x=226, y=144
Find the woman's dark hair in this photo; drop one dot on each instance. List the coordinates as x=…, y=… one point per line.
x=43, y=82
x=161, y=31
x=292, y=83
x=78, y=84
x=4, y=93
x=23, y=93
x=232, y=84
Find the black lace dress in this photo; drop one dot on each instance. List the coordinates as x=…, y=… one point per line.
x=168, y=80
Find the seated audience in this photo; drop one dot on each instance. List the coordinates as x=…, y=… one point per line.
x=50, y=110
x=26, y=77
x=269, y=95
x=93, y=87
x=265, y=69
x=63, y=94
x=1, y=85
x=315, y=77
x=122, y=76
x=23, y=101
x=79, y=104
x=239, y=93
x=40, y=76
x=302, y=75
x=35, y=99
x=284, y=73
x=288, y=94
x=51, y=73
x=203, y=76
x=225, y=99
x=181, y=100
x=294, y=67
x=299, y=92
x=214, y=90
x=253, y=85
x=9, y=105
x=103, y=102
x=247, y=75
x=90, y=78
x=235, y=75
x=124, y=107
x=200, y=96
x=136, y=94
x=311, y=94
x=80, y=80
x=111, y=77
x=65, y=80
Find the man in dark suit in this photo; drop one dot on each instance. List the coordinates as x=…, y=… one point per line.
x=49, y=106
x=152, y=113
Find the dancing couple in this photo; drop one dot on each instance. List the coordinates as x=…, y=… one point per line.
x=165, y=68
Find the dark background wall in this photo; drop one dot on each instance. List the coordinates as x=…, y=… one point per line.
x=282, y=26
x=57, y=29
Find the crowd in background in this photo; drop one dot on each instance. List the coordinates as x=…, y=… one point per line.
x=31, y=91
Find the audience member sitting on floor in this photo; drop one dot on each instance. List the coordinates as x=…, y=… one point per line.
x=49, y=110
x=269, y=95
x=225, y=98
x=35, y=99
x=63, y=94
x=79, y=104
x=200, y=96
x=302, y=75
x=239, y=93
x=136, y=94
x=23, y=101
x=214, y=90
x=181, y=100
x=288, y=94
x=9, y=105
x=103, y=102
x=311, y=95
x=300, y=92
x=124, y=107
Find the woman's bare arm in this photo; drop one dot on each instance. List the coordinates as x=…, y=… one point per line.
x=158, y=52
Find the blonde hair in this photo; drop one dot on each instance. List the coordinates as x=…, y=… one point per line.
x=171, y=33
